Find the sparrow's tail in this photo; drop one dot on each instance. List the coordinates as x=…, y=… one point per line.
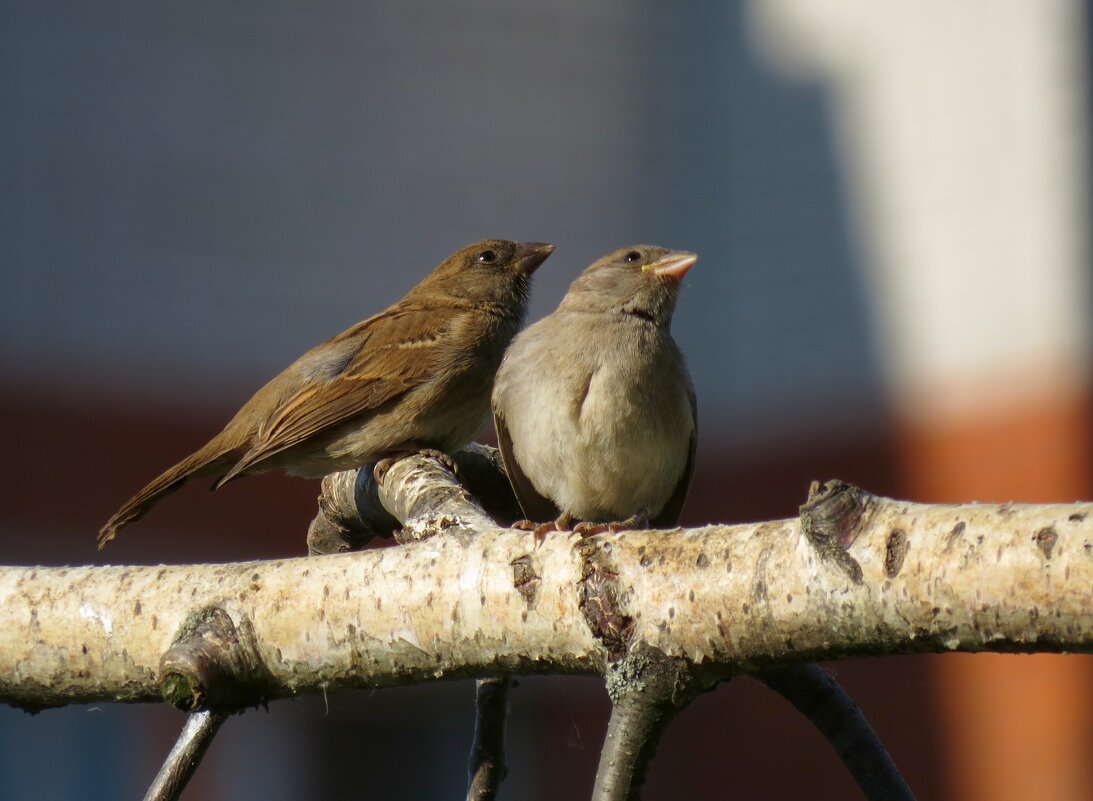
x=209, y=461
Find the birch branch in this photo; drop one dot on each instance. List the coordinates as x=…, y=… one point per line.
x=646, y=688
x=478, y=601
x=351, y=512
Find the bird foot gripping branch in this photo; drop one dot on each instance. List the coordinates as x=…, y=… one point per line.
x=379, y=470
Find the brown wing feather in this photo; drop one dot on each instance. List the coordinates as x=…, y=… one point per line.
x=381, y=371
x=317, y=409
x=669, y=515
x=210, y=460
x=536, y=507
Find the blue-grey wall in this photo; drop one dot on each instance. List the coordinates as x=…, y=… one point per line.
x=194, y=194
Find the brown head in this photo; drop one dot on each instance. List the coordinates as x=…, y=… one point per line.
x=493, y=271
x=640, y=280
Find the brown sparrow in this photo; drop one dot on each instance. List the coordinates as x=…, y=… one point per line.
x=414, y=377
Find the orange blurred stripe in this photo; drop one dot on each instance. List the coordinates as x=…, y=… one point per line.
x=1017, y=727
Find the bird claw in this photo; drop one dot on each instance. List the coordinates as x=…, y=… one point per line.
x=540, y=530
x=586, y=530
x=635, y=521
x=441, y=457
x=379, y=470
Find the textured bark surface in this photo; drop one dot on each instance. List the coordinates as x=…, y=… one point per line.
x=487, y=766
x=444, y=607
x=647, y=691
x=464, y=598
x=351, y=512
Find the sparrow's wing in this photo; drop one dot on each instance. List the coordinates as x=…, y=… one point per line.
x=536, y=508
x=669, y=515
x=372, y=365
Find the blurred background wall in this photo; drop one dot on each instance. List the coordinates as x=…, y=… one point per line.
x=890, y=203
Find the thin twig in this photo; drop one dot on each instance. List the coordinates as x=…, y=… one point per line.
x=817, y=696
x=487, y=767
x=186, y=755
x=647, y=690
x=633, y=734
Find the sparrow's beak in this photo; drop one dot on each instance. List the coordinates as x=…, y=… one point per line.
x=531, y=254
x=674, y=265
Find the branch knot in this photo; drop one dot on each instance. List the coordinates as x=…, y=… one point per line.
x=214, y=663
x=832, y=518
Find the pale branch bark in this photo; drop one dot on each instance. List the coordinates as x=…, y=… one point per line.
x=640, y=708
x=487, y=766
x=197, y=734
x=446, y=607
x=479, y=602
x=819, y=697
x=351, y=514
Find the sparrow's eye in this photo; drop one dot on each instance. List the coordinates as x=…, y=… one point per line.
x=632, y=257
x=487, y=257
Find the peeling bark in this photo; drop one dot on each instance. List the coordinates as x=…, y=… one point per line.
x=478, y=601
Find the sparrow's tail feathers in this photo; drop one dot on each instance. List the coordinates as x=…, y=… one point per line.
x=210, y=460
